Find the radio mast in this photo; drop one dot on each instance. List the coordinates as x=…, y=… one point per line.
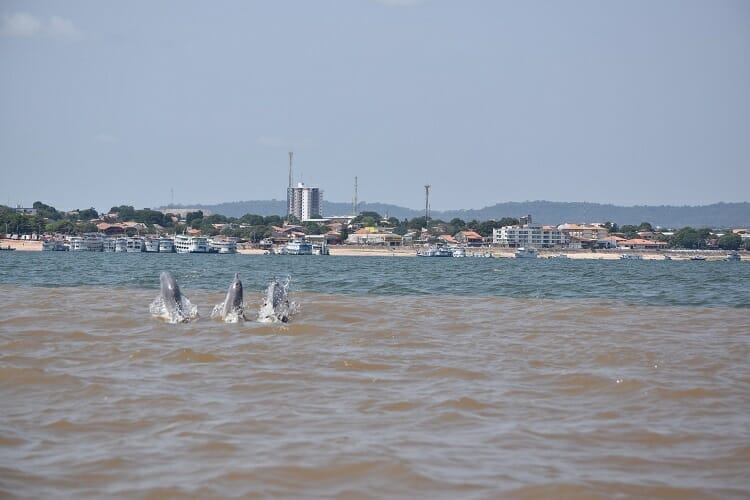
x=426, y=203
x=354, y=206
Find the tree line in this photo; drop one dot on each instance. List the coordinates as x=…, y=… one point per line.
x=254, y=228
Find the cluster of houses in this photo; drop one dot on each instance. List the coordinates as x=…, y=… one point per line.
x=524, y=234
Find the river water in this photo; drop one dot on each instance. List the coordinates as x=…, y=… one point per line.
x=396, y=377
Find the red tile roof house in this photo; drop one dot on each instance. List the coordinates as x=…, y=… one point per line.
x=469, y=238
x=641, y=244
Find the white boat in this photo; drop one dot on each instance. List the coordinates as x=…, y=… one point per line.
x=151, y=245
x=526, y=253
x=435, y=251
x=697, y=257
x=121, y=244
x=166, y=245
x=76, y=244
x=134, y=245
x=185, y=243
x=54, y=246
x=321, y=249
x=222, y=245
x=109, y=244
x=94, y=242
x=459, y=252
x=298, y=247
x=631, y=256
x=734, y=257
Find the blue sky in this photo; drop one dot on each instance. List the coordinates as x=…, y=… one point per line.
x=636, y=102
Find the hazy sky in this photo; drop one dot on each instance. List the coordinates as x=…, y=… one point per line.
x=631, y=102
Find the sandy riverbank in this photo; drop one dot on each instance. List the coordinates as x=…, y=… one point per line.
x=362, y=251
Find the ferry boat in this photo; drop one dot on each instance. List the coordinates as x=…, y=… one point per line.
x=321, y=249
x=94, y=242
x=526, y=253
x=76, y=244
x=151, y=245
x=185, y=243
x=54, y=246
x=134, y=245
x=109, y=244
x=298, y=247
x=222, y=245
x=166, y=245
x=121, y=244
x=459, y=252
x=435, y=251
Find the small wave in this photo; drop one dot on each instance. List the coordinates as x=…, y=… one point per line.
x=360, y=365
x=183, y=313
x=451, y=372
x=464, y=404
x=191, y=356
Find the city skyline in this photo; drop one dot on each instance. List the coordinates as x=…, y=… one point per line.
x=633, y=103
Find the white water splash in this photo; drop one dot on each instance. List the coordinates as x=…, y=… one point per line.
x=183, y=313
x=234, y=316
x=277, y=308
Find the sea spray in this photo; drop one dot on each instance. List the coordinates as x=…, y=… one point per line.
x=232, y=309
x=171, y=305
x=276, y=306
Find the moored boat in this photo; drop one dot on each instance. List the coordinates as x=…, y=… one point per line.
x=134, y=245
x=526, y=253
x=222, y=245
x=185, y=243
x=151, y=244
x=54, y=245
x=435, y=251
x=734, y=257
x=298, y=247
x=166, y=245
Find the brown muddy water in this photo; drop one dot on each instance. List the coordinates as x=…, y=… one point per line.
x=372, y=397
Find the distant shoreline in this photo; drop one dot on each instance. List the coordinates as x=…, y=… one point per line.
x=363, y=251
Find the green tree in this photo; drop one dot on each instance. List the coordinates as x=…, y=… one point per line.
x=273, y=220
x=124, y=212
x=191, y=216
x=730, y=241
x=88, y=214
x=149, y=217
x=687, y=237
x=645, y=226
x=252, y=220
x=508, y=221
x=46, y=211
x=629, y=230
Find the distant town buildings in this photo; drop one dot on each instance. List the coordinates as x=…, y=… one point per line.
x=527, y=234
x=304, y=202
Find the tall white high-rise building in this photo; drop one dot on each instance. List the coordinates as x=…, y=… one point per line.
x=304, y=202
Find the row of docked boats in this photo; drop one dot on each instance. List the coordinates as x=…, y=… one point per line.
x=442, y=251
x=181, y=243
x=300, y=247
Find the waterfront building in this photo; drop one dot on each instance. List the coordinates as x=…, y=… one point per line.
x=469, y=238
x=304, y=202
x=529, y=236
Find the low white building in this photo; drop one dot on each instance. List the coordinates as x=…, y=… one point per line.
x=529, y=236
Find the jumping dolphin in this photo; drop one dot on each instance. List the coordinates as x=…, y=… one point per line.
x=276, y=306
x=231, y=310
x=171, y=304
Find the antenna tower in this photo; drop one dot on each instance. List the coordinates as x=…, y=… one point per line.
x=354, y=207
x=289, y=187
x=426, y=203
